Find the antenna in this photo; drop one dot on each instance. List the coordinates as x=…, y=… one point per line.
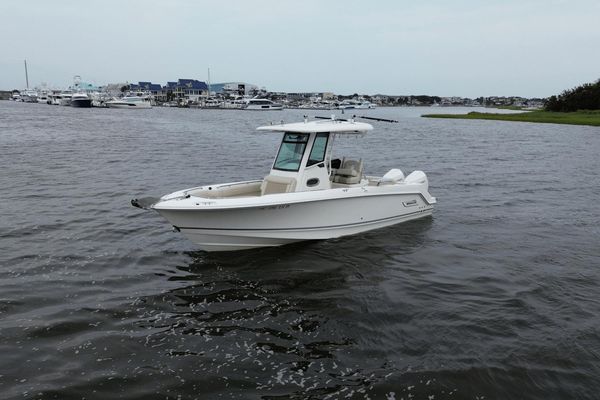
x=377, y=119
x=356, y=116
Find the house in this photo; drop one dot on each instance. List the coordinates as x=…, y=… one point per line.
x=150, y=87
x=167, y=92
x=190, y=90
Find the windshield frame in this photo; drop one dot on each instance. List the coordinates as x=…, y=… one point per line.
x=311, y=162
x=290, y=143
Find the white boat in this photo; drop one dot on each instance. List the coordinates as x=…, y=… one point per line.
x=366, y=105
x=238, y=102
x=29, y=96
x=213, y=103
x=131, y=102
x=43, y=97
x=81, y=100
x=262, y=105
x=64, y=98
x=356, y=104
x=307, y=195
x=54, y=98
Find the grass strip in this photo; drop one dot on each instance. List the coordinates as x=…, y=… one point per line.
x=582, y=117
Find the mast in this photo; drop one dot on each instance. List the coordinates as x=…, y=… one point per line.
x=209, y=82
x=26, y=76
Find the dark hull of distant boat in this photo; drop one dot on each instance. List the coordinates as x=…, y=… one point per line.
x=82, y=103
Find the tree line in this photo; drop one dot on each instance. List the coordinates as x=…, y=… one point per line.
x=584, y=97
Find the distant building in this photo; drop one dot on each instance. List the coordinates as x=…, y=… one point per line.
x=301, y=96
x=190, y=90
x=233, y=88
x=150, y=87
x=182, y=91
x=167, y=93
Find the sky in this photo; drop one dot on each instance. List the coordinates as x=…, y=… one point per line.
x=446, y=48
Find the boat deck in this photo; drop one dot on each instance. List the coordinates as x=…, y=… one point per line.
x=253, y=189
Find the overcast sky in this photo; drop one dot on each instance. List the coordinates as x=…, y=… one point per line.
x=448, y=48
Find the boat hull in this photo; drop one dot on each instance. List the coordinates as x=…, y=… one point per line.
x=283, y=222
x=81, y=103
x=139, y=106
x=263, y=108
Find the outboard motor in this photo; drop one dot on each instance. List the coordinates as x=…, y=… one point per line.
x=418, y=177
x=392, y=176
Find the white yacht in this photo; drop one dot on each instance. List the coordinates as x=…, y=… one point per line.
x=346, y=105
x=262, y=105
x=367, y=105
x=29, y=96
x=237, y=102
x=307, y=195
x=356, y=104
x=213, y=103
x=64, y=98
x=54, y=98
x=130, y=102
x=42, y=97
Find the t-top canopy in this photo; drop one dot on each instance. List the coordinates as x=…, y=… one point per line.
x=332, y=126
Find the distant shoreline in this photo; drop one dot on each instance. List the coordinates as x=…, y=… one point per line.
x=590, y=118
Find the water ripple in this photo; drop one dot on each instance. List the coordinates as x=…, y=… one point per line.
x=495, y=296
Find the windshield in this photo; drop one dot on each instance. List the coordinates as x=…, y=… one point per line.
x=291, y=151
x=317, y=154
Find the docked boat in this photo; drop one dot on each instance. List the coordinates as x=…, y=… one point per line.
x=367, y=105
x=262, y=105
x=81, y=100
x=130, y=102
x=213, y=103
x=42, y=97
x=64, y=98
x=356, y=104
x=348, y=105
x=307, y=195
x=29, y=96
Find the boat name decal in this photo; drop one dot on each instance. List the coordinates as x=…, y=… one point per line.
x=277, y=207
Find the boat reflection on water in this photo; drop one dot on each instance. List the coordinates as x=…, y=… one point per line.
x=293, y=315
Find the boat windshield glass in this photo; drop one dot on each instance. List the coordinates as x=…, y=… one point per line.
x=291, y=151
x=317, y=154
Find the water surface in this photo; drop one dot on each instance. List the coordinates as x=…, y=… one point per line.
x=495, y=296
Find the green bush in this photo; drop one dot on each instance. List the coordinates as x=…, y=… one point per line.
x=584, y=97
